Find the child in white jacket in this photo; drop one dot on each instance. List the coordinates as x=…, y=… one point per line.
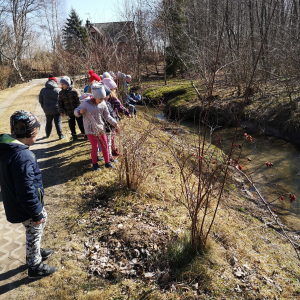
x=93, y=111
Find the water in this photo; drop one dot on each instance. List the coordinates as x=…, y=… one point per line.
x=280, y=180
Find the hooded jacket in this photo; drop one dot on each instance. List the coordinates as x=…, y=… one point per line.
x=48, y=98
x=20, y=181
x=68, y=100
x=94, y=117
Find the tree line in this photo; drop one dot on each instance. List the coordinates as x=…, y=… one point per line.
x=172, y=37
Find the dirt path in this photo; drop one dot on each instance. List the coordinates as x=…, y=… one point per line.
x=13, y=269
x=8, y=101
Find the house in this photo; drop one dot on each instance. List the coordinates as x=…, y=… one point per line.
x=120, y=32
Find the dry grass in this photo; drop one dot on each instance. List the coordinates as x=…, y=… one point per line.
x=27, y=101
x=7, y=92
x=71, y=189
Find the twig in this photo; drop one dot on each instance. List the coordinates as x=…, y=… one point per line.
x=270, y=211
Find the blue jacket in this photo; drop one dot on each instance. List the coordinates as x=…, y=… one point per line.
x=20, y=181
x=48, y=98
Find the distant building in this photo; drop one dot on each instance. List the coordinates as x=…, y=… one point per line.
x=120, y=32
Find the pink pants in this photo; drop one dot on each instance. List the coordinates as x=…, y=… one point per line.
x=113, y=144
x=94, y=142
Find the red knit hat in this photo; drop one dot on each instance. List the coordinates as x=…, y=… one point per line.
x=51, y=77
x=94, y=76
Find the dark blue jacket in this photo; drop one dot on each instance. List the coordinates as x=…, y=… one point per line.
x=48, y=98
x=21, y=181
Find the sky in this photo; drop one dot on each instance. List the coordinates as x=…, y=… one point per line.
x=97, y=11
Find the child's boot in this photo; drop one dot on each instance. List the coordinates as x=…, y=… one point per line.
x=109, y=165
x=40, y=271
x=96, y=167
x=45, y=253
x=112, y=159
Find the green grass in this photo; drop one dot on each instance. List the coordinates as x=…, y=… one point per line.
x=177, y=91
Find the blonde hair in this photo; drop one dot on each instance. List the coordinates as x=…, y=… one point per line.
x=114, y=94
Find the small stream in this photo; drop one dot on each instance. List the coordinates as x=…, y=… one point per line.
x=280, y=180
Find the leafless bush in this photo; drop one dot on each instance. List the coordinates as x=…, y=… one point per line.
x=139, y=150
x=5, y=72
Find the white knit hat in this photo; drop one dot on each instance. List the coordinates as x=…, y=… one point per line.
x=98, y=91
x=66, y=80
x=109, y=83
x=106, y=75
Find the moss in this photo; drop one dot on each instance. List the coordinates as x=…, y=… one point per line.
x=178, y=91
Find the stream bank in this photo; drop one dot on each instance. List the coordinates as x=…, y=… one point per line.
x=281, y=180
x=270, y=112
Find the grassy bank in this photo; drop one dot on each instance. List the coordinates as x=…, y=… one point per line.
x=90, y=212
x=269, y=110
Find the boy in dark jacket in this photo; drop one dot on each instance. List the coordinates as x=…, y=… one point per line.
x=68, y=100
x=48, y=99
x=22, y=189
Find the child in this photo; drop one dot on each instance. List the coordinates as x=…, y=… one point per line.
x=126, y=85
x=48, y=99
x=94, y=111
x=68, y=100
x=131, y=101
x=117, y=108
x=113, y=99
x=109, y=127
x=93, y=76
x=22, y=189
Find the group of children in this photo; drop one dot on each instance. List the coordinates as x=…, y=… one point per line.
x=96, y=112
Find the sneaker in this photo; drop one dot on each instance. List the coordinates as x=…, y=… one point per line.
x=113, y=160
x=75, y=138
x=100, y=158
x=45, y=253
x=96, y=167
x=62, y=137
x=109, y=165
x=40, y=271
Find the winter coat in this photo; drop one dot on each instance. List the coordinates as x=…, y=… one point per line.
x=117, y=106
x=48, y=98
x=108, y=126
x=20, y=181
x=93, y=117
x=68, y=100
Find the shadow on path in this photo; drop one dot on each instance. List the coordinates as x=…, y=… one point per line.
x=15, y=284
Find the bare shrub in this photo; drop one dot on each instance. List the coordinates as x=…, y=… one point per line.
x=5, y=72
x=139, y=150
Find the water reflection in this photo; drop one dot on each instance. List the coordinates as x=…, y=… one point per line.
x=280, y=180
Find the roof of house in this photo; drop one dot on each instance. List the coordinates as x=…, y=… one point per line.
x=115, y=30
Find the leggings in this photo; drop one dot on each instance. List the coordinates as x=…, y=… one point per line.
x=33, y=240
x=113, y=144
x=109, y=138
x=103, y=142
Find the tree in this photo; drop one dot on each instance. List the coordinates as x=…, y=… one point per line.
x=74, y=32
x=53, y=20
x=15, y=31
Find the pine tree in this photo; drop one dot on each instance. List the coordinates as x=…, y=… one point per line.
x=177, y=48
x=74, y=32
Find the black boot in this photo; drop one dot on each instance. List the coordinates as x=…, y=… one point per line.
x=45, y=253
x=109, y=165
x=40, y=271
